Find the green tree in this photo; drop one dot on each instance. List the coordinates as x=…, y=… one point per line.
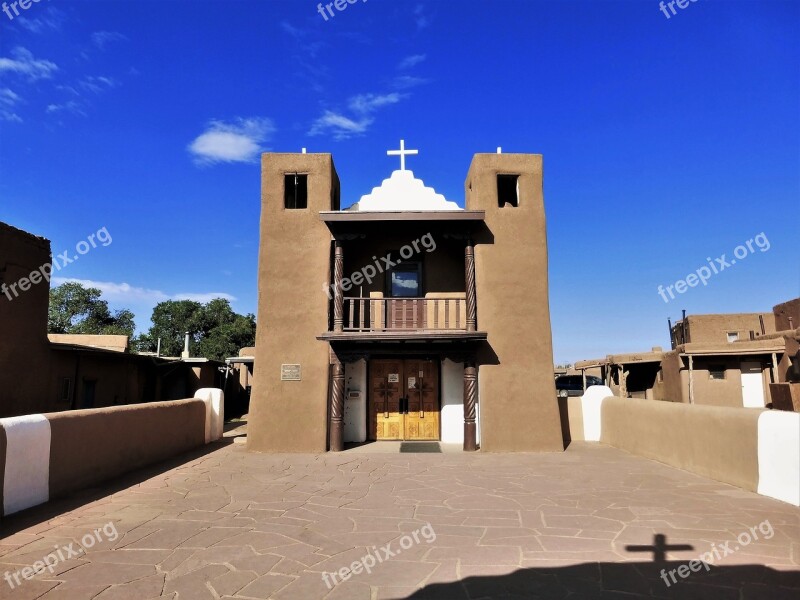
x=215, y=330
x=78, y=309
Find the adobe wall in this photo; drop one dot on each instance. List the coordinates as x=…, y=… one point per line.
x=714, y=328
x=44, y=456
x=757, y=450
x=519, y=407
x=24, y=364
x=720, y=444
x=717, y=392
x=90, y=446
x=294, y=264
x=785, y=310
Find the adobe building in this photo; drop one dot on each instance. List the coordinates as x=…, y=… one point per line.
x=404, y=317
x=746, y=360
x=42, y=373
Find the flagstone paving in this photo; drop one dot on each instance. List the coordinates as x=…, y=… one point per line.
x=232, y=524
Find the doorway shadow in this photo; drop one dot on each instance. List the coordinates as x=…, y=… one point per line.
x=414, y=447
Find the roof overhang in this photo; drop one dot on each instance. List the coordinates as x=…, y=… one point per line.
x=344, y=216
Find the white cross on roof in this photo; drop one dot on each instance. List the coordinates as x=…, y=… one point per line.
x=402, y=153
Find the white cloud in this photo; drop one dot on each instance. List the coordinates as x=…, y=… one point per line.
x=48, y=19
x=407, y=81
x=23, y=63
x=342, y=127
x=291, y=29
x=367, y=103
x=8, y=97
x=102, y=38
x=11, y=117
x=240, y=141
x=97, y=84
x=411, y=61
x=124, y=292
x=421, y=18
x=76, y=108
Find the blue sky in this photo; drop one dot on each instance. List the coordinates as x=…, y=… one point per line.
x=665, y=140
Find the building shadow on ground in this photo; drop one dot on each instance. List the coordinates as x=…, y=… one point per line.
x=622, y=581
x=42, y=513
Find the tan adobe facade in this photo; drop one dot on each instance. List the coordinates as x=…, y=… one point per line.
x=49, y=373
x=736, y=360
x=391, y=320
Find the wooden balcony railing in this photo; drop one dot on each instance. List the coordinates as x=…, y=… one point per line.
x=405, y=314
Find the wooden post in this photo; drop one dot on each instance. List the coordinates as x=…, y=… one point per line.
x=469, y=278
x=337, y=405
x=774, y=367
x=583, y=375
x=691, y=380
x=338, y=292
x=470, y=406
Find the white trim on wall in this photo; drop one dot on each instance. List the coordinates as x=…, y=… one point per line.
x=779, y=455
x=26, y=481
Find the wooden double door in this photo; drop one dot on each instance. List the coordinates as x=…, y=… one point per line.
x=403, y=399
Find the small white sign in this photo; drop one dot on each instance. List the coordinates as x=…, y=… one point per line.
x=290, y=373
x=394, y=378
x=412, y=383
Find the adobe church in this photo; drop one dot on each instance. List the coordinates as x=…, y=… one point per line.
x=403, y=317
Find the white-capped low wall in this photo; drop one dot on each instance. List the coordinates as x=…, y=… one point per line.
x=755, y=449
x=27, y=466
x=50, y=455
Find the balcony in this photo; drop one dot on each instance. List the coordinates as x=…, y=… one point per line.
x=440, y=316
x=432, y=313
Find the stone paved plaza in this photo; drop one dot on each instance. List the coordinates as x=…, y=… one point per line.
x=232, y=524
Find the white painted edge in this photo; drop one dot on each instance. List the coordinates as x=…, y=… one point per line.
x=779, y=455
x=591, y=406
x=26, y=481
x=215, y=412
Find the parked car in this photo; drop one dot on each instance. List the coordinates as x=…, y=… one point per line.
x=572, y=385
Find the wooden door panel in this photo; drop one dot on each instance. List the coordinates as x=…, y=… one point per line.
x=421, y=384
x=386, y=389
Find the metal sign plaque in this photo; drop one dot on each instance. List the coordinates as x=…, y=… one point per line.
x=290, y=373
x=394, y=378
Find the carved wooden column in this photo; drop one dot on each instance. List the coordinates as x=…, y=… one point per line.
x=337, y=405
x=470, y=405
x=469, y=278
x=338, y=292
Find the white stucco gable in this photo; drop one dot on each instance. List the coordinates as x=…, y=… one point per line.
x=402, y=191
